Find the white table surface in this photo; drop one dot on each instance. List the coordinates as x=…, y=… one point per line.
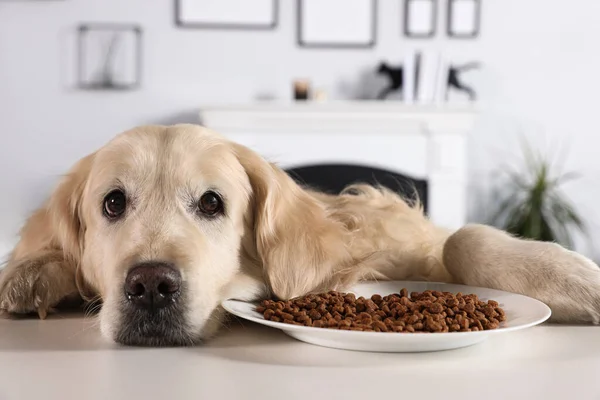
x=64, y=357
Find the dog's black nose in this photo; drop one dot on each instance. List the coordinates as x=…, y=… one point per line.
x=152, y=285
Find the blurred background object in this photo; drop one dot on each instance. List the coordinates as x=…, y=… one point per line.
x=109, y=56
x=440, y=129
x=533, y=204
x=301, y=89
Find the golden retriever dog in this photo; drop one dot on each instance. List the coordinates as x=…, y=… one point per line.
x=164, y=222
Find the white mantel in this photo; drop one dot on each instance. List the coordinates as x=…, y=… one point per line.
x=425, y=142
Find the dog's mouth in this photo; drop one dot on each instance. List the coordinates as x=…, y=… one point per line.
x=153, y=307
x=156, y=328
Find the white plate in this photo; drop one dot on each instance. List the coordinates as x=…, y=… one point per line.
x=521, y=312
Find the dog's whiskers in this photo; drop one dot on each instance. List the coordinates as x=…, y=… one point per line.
x=92, y=306
x=93, y=323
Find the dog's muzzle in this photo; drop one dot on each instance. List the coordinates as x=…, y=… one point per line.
x=153, y=307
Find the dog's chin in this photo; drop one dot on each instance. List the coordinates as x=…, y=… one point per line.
x=168, y=327
x=158, y=328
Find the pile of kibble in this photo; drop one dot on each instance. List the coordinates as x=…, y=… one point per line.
x=428, y=311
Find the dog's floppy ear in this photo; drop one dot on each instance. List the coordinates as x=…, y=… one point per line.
x=64, y=208
x=57, y=226
x=297, y=243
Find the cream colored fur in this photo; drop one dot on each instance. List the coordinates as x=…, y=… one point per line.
x=276, y=237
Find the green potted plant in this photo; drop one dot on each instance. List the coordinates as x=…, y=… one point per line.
x=533, y=206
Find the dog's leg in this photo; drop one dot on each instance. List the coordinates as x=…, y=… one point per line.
x=566, y=281
x=37, y=284
x=42, y=269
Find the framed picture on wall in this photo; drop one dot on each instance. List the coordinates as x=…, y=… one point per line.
x=226, y=14
x=109, y=56
x=337, y=23
x=464, y=18
x=420, y=18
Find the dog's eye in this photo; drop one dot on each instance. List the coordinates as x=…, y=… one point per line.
x=114, y=204
x=210, y=204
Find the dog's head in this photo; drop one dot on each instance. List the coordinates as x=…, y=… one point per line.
x=166, y=222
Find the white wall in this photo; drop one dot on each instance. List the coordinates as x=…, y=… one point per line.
x=540, y=76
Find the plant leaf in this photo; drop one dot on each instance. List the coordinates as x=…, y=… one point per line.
x=536, y=209
x=505, y=207
x=518, y=180
x=566, y=212
x=569, y=176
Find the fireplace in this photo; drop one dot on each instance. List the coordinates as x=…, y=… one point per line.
x=413, y=150
x=333, y=178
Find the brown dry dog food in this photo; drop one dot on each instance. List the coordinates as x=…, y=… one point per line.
x=429, y=311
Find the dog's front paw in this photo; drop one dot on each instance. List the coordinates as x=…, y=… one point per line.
x=34, y=287
x=577, y=279
x=566, y=281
